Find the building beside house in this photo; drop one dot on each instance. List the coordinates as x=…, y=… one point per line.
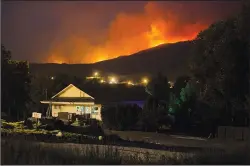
x=73, y=100
x=110, y=95
x=93, y=99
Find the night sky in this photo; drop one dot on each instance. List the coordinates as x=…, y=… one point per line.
x=86, y=32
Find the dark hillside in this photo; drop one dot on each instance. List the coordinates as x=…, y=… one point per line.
x=170, y=59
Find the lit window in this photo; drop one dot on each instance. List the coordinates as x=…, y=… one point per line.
x=94, y=110
x=87, y=110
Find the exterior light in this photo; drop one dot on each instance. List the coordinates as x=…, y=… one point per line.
x=102, y=81
x=52, y=78
x=130, y=83
x=171, y=84
x=96, y=74
x=145, y=81
x=113, y=80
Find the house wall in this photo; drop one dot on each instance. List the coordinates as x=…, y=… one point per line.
x=97, y=115
x=72, y=109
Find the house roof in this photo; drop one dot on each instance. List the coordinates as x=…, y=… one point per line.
x=72, y=99
x=105, y=93
x=68, y=87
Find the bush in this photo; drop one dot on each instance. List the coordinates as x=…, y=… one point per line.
x=121, y=117
x=7, y=126
x=28, y=123
x=81, y=122
x=51, y=124
x=12, y=125
x=46, y=127
x=59, y=125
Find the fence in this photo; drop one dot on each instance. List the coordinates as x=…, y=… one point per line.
x=234, y=133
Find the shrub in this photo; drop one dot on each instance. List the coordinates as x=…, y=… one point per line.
x=59, y=125
x=7, y=126
x=28, y=123
x=13, y=125
x=46, y=127
x=121, y=117
x=81, y=122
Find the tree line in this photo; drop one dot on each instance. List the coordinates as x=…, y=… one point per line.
x=15, y=85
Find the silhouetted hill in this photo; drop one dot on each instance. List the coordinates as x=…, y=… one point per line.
x=170, y=59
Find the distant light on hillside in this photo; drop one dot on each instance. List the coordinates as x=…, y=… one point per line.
x=96, y=74
x=130, y=83
x=113, y=80
x=102, y=81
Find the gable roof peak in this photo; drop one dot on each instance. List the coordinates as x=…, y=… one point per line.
x=66, y=88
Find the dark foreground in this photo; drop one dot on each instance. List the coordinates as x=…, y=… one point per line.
x=24, y=152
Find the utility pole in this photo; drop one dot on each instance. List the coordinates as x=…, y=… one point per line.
x=46, y=94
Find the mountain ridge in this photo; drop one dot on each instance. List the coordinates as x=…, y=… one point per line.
x=170, y=59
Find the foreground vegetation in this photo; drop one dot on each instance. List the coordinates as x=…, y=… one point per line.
x=23, y=152
x=18, y=130
x=21, y=145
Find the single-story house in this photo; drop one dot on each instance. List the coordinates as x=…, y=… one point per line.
x=94, y=98
x=73, y=100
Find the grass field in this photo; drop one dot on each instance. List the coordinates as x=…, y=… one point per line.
x=23, y=152
x=143, y=148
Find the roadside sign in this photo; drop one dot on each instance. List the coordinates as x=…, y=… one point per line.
x=36, y=115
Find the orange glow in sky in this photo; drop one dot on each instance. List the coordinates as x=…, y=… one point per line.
x=126, y=34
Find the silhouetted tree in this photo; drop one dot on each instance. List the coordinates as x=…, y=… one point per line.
x=180, y=83
x=183, y=107
x=41, y=89
x=121, y=117
x=6, y=81
x=221, y=64
x=155, y=108
x=15, y=86
x=150, y=114
x=159, y=88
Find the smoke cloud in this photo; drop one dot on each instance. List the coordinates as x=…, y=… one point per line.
x=88, y=32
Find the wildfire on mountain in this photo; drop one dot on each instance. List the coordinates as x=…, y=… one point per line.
x=129, y=33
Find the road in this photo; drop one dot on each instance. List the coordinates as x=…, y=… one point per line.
x=174, y=140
